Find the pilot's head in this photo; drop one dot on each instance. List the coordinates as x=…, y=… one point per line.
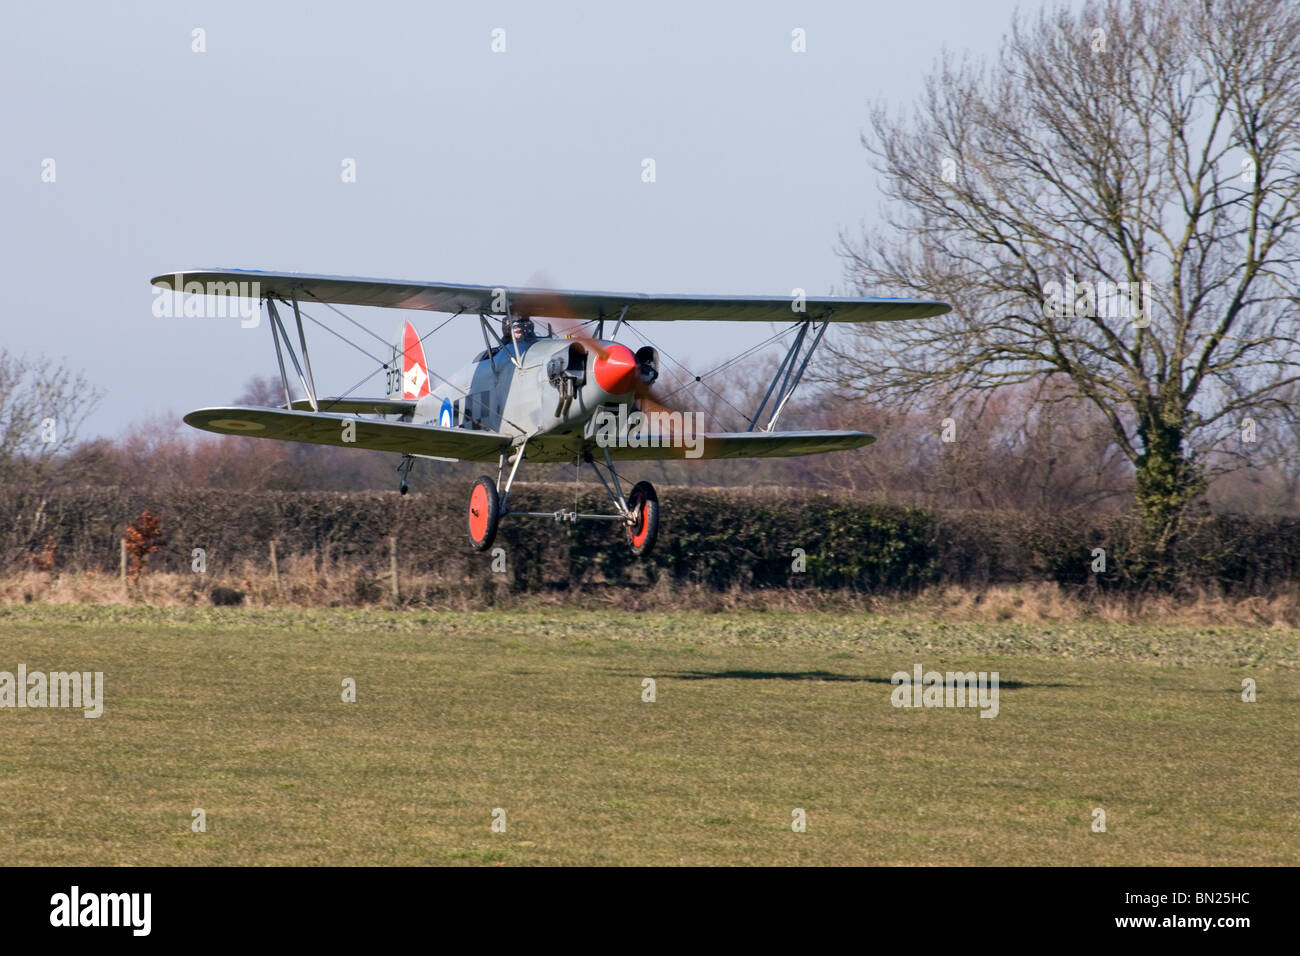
x=521, y=328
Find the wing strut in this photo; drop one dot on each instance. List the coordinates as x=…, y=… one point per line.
x=786, y=374
x=308, y=385
x=501, y=345
x=306, y=359
x=279, y=357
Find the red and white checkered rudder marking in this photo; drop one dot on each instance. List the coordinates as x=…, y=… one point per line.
x=415, y=372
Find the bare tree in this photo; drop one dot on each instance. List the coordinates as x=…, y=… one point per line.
x=1111, y=204
x=42, y=405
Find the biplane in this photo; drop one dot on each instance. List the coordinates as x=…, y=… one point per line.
x=567, y=392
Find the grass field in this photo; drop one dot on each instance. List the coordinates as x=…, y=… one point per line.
x=239, y=712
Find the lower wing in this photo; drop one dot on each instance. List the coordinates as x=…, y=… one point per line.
x=346, y=431
x=738, y=445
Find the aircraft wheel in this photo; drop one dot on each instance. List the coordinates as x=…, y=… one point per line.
x=484, y=513
x=646, y=529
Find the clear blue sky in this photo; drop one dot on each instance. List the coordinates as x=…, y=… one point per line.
x=472, y=166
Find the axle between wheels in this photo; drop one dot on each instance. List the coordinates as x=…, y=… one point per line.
x=639, y=512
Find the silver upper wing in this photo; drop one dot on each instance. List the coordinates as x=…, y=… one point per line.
x=542, y=303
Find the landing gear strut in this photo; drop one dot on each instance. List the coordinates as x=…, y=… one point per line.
x=638, y=511
x=403, y=470
x=487, y=507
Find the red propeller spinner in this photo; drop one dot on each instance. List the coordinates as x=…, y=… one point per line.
x=615, y=369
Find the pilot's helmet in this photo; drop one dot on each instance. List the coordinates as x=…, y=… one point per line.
x=521, y=328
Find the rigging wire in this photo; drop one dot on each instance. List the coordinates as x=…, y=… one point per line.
x=743, y=355
x=698, y=378
x=332, y=308
x=695, y=379
x=383, y=366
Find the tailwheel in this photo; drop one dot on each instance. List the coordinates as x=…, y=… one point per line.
x=484, y=513
x=643, y=502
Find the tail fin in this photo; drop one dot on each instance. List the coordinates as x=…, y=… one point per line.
x=408, y=372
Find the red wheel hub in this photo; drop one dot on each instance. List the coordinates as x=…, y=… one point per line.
x=478, y=513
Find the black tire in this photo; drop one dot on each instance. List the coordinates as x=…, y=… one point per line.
x=484, y=513
x=645, y=532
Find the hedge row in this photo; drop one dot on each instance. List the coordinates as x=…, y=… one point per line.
x=715, y=538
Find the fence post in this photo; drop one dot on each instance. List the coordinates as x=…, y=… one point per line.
x=392, y=564
x=122, y=562
x=275, y=569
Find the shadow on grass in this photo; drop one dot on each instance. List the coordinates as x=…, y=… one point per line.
x=823, y=676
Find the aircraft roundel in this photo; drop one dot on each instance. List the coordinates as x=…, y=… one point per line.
x=236, y=425
x=444, y=416
x=415, y=371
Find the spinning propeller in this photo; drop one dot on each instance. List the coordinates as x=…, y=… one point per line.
x=614, y=366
